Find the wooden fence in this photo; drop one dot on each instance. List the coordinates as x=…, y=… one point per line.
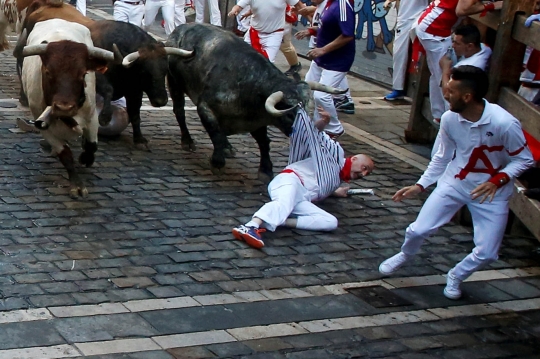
x=509, y=46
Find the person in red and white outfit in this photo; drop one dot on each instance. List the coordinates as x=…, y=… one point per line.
x=129, y=11
x=267, y=23
x=433, y=30
x=151, y=9
x=317, y=166
x=482, y=150
x=287, y=48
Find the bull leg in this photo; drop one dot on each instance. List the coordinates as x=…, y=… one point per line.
x=134, y=103
x=105, y=90
x=76, y=185
x=89, y=143
x=219, y=140
x=265, y=172
x=23, y=99
x=179, y=101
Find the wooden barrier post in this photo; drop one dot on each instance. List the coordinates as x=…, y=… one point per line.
x=507, y=56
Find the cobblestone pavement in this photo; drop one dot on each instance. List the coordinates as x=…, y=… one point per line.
x=146, y=267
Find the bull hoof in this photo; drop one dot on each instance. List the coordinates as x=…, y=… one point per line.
x=191, y=147
x=229, y=153
x=23, y=100
x=86, y=158
x=217, y=171
x=78, y=191
x=143, y=147
x=264, y=177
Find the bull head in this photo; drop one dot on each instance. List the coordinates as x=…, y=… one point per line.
x=64, y=66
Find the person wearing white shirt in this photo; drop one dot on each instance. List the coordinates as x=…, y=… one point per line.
x=482, y=151
x=267, y=24
x=408, y=13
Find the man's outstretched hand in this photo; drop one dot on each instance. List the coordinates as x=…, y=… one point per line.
x=406, y=192
x=341, y=191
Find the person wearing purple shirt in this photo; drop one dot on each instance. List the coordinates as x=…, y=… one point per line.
x=333, y=56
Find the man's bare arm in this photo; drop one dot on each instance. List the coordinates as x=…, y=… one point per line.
x=471, y=7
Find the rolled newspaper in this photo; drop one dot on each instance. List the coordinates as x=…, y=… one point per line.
x=360, y=191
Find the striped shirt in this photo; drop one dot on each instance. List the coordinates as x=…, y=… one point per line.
x=326, y=155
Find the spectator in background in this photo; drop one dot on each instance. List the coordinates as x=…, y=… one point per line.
x=342, y=103
x=129, y=11
x=530, y=77
x=407, y=14
x=433, y=30
x=167, y=11
x=243, y=21
x=332, y=57
x=215, y=14
x=179, y=12
x=267, y=24
x=287, y=48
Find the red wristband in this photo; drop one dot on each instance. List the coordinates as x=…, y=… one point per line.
x=421, y=187
x=312, y=32
x=487, y=7
x=500, y=179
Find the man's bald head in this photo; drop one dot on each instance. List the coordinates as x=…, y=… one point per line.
x=361, y=166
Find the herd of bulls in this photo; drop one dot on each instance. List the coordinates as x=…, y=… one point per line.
x=65, y=58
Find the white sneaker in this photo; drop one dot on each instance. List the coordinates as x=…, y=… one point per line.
x=392, y=264
x=452, y=290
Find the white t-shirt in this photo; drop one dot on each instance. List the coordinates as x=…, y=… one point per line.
x=306, y=172
x=469, y=150
x=268, y=15
x=480, y=59
x=315, y=22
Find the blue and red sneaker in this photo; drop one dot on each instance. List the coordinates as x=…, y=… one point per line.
x=250, y=235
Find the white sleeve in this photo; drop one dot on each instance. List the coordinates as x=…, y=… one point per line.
x=439, y=162
x=292, y=2
x=243, y=3
x=520, y=154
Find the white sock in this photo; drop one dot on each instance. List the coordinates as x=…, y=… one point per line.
x=252, y=224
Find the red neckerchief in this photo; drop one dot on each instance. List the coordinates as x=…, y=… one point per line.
x=345, y=173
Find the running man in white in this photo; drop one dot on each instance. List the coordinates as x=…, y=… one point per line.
x=131, y=11
x=267, y=24
x=316, y=168
x=482, y=150
x=167, y=11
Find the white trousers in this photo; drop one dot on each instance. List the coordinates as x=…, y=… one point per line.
x=179, y=14
x=290, y=199
x=436, y=47
x=323, y=99
x=215, y=14
x=400, y=55
x=269, y=42
x=344, y=85
x=128, y=13
x=489, y=222
x=167, y=11
x=81, y=6
x=530, y=94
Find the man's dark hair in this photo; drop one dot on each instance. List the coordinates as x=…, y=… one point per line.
x=472, y=79
x=470, y=34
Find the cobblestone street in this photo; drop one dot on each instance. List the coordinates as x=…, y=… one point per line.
x=146, y=267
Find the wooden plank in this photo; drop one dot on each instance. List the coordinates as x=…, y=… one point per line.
x=526, y=209
x=491, y=19
x=507, y=57
x=527, y=35
x=417, y=130
x=527, y=113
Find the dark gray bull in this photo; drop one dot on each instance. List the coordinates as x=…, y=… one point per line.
x=235, y=89
x=143, y=70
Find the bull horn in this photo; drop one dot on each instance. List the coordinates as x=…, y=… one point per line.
x=178, y=52
x=117, y=54
x=34, y=50
x=129, y=59
x=21, y=41
x=271, y=103
x=99, y=53
x=316, y=86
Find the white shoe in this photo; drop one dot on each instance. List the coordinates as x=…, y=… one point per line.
x=392, y=264
x=452, y=290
